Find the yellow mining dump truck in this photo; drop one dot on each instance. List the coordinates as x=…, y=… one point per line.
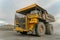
x=36, y=20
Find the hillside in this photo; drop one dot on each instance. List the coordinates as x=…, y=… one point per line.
x=7, y=27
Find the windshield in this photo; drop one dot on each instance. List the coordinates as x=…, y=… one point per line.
x=35, y=12
x=19, y=15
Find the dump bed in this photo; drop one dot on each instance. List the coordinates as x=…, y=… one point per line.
x=50, y=18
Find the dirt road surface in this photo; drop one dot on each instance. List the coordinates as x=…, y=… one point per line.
x=13, y=35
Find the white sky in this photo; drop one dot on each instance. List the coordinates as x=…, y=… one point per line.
x=8, y=8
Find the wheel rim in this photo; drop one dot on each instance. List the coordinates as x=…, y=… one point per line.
x=41, y=29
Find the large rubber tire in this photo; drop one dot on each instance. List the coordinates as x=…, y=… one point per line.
x=40, y=29
x=49, y=29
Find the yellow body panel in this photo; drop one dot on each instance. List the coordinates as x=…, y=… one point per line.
x=31, y=26
x=32, y=15
x=20, y=29
x=33, y=20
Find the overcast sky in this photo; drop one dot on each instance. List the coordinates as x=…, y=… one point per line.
x=8, y=9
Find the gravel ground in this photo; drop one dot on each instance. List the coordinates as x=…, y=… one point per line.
x=12, y=35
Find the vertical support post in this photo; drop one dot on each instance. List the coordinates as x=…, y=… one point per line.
x=26, y=23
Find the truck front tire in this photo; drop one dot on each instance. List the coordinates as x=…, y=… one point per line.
x=40, y=29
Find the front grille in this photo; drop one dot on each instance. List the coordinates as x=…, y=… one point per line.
x=22, y=22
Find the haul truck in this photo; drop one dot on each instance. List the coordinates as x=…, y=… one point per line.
x=36, y=20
